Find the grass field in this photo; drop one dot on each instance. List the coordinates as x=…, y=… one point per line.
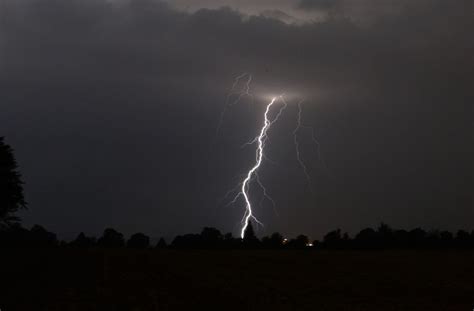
x=61, y=279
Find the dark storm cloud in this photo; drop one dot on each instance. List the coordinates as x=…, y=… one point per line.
x=317, y=4
x=112, y=108
x=279, y=15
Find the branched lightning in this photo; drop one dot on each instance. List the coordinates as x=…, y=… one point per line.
x=265, y=194
x=297, y=146
x=242, y=189
x=261, y=139
x=300, y=125
x=244, y=91
x=318, y=150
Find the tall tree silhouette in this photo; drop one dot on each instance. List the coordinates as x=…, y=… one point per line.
x=161, y=244
x=250, y=239
x=11, y=186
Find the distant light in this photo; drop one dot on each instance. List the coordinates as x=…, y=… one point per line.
x=309, y=244
x=285, y=241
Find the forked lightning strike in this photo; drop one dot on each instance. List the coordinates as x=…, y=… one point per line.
x=297, y=147
x=245, y=91
x=300, y=125
x=261, y=140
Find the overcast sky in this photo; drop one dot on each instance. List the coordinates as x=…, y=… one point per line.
x=112, y=108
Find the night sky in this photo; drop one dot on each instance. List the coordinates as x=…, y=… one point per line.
x=112, y=108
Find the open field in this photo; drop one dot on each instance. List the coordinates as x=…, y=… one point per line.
x=59, y=279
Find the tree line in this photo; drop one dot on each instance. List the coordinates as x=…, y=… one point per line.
x=383, y=237
x=12, y=234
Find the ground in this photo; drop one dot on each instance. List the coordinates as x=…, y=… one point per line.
x=62, y=279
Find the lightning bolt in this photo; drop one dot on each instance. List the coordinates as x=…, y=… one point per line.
x=261, y=140
x=242, y=189
x=320, y=153
x=265, y=194
x=245, y=91
x=297, y=146
x=299, y=126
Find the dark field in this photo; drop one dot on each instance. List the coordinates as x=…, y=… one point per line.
x=236, y=280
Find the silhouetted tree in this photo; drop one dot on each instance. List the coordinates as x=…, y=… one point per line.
x=432, y=239
x=138, y=240
x=82, y=241
x=445, y=239
x=15, y=236
x=273, y=241
x=332, y=239
x=161, y=244
x=11, y=186
x=250, y=239
x=463, y=239
x=190, y=240
x=367, y=239
x=265, y=242
x=385, y=235
x=111, y=239
x=40, y=237
x=417, y=238
x=230, y=242
x=317, y=244
x=401, y=238
x=299, y=242
x=211, y=238
x=346, y=241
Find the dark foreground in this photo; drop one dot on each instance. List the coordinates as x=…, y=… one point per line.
x=236, y=280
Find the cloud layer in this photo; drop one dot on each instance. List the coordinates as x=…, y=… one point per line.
x=112, y=108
